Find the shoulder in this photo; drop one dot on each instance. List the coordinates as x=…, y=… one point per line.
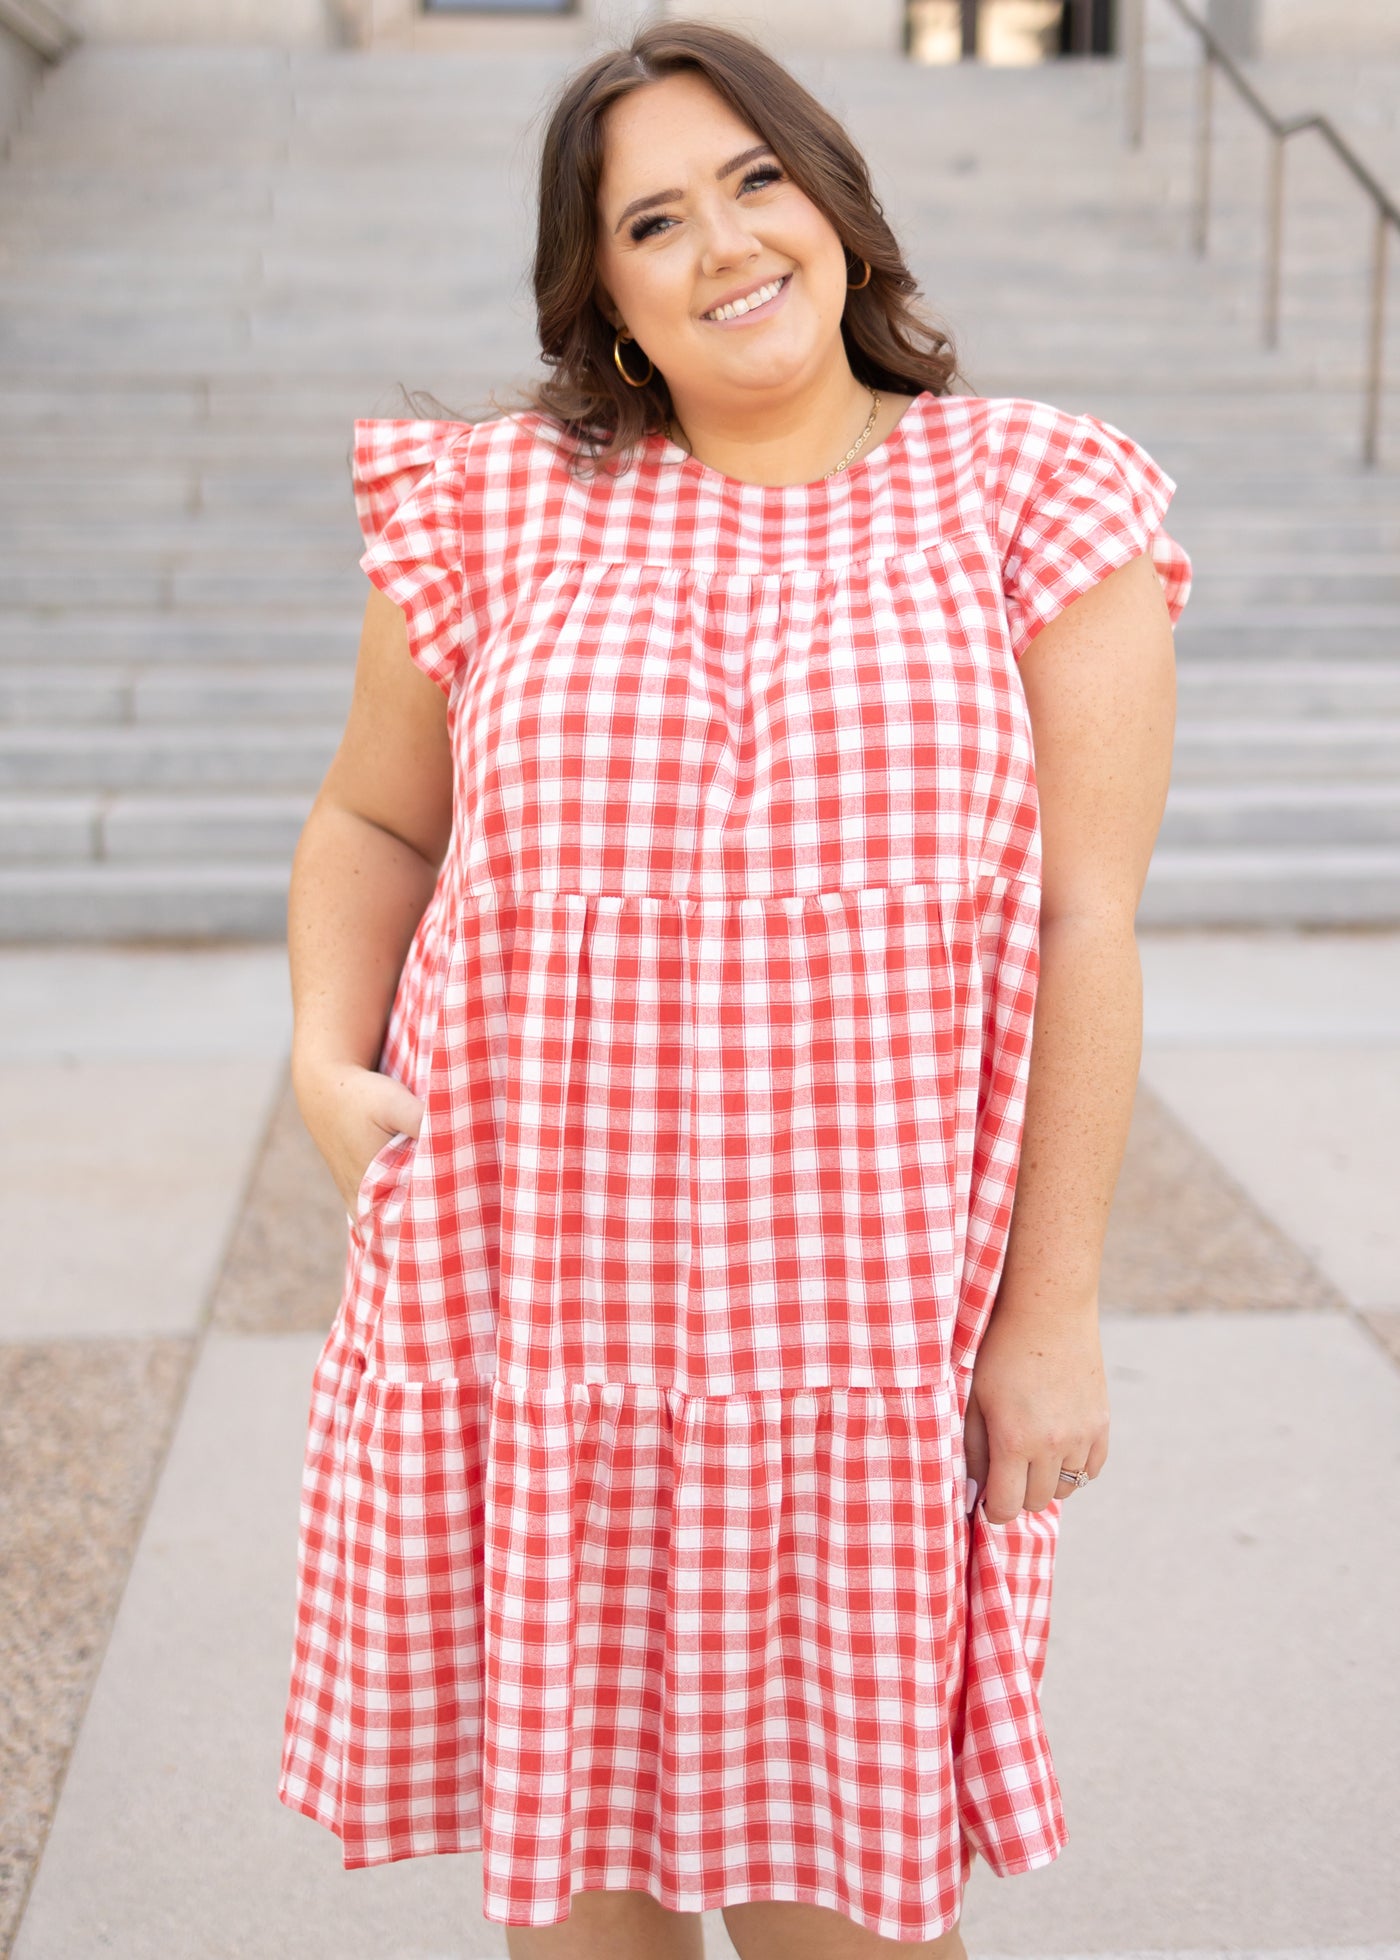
x=1030, y=442
x=449, y=465
x=998, y=446
x=992, y=429
x=1034, y=459
x=390, y=448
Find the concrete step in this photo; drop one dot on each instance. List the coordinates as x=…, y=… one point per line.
x=58, y=696
x=1336, y=886
x=117, y=829
x=1314, y=581
x=1312, y=688
x=187, y=537
x=235, y=829
x=78, y=637
x=232, y=756
x=1236, y=750
x=318, y=695
x=207, y=899
x=1287, y=635
x=69, y=450
x=39, y=830
x=1218, y=538
x=1270, y=816
x=147, y=588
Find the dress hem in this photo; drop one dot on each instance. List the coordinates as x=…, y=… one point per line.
x=467, y=1842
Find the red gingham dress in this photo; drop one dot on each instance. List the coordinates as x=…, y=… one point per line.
x=633, y=1545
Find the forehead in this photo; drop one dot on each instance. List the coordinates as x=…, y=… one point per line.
x=663, y=126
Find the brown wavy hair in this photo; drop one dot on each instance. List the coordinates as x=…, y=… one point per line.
x=890, y=341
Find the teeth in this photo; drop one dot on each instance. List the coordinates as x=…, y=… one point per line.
x=759, y=298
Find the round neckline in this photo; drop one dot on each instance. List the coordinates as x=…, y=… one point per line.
x=673, y=451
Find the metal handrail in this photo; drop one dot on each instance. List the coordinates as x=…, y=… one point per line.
x=1280, y=128
x=39, y=27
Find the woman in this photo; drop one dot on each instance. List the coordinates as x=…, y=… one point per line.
x=685, y=1460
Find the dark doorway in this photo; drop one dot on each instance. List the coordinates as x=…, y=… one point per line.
x=1088, y=27
x=498, y=6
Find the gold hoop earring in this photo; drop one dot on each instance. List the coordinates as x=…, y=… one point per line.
x=632, y=382
x=860, y=284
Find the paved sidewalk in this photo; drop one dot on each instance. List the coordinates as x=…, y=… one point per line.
x=1223, y=1692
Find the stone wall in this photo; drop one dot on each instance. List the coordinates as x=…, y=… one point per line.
x=281, y=23
x=1343, y=27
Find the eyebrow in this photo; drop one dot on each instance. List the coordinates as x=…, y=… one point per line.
x=668, y=197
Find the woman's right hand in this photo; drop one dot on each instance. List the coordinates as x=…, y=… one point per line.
x=351, y=1113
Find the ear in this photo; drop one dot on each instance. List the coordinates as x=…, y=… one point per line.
x=603, y=302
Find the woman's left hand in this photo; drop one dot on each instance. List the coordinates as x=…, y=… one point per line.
x=1038, y=1405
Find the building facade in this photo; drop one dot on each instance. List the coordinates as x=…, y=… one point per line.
x=1248, y=27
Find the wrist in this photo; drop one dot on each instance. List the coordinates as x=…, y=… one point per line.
x=316, y=1067
x=1045, y=1305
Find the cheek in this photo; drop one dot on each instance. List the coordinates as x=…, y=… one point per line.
x=643, y=288
x=819, y=249
x=662, y=295
x=826, y=276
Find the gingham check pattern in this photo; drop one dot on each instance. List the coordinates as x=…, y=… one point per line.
x=632, y=1545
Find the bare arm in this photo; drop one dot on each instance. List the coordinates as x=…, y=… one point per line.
x=364, y=870
x=1100, y=685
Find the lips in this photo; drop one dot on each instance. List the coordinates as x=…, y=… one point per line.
x=748, y=302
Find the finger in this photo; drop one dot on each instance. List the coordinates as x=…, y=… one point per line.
x=1006, y=1485
x=1098, y=1456
x=402, y=1111
x=1043, y=1484
x=975, y=1443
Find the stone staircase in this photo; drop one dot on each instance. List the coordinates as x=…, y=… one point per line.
x=212, y=260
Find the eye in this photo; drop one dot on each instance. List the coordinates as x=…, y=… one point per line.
x=765, y=173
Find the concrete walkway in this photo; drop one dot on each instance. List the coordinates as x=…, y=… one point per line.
x=1223, y=1692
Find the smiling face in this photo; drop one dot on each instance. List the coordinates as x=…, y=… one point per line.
x=728, y=276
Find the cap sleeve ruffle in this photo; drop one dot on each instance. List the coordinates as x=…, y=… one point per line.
x=412, y=498
x=1075, y=499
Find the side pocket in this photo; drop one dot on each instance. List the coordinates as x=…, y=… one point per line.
x=378, y=1180
x=1008, y=1793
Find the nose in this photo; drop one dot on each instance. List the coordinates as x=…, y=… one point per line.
x=728, y=241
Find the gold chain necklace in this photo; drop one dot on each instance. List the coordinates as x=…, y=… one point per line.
x=850, y=454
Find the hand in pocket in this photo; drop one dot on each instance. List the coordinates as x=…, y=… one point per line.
x=352, y=1112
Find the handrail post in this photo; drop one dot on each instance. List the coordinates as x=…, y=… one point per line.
x=1135, y=28
x=1372, y=439
x=38, y=27
x=1274, y=243
x=1203, y=133
x=1214, y=55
